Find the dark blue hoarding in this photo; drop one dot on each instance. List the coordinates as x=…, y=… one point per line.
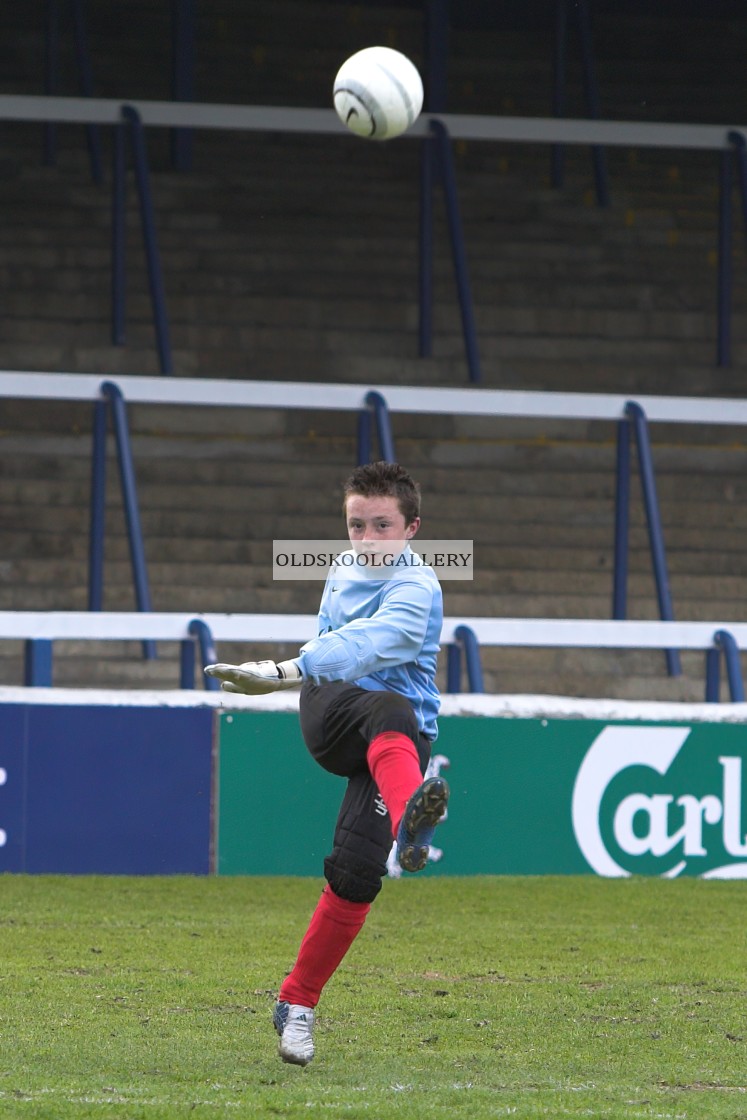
x=105, y=789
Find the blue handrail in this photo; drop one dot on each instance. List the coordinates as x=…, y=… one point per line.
x=38, y=663
x=131, y=121
x=724, y=277
x=622, y=520
x=183, y=67
x=38, y=655
x=459, y=257
x=202, y=636
x=725, y=643
x=591, y=91
x=114, y=394
x=436, y=16
x=425, y=240
x=437, y=162
x=51, y=43
x=51, y=74
x=557, y=151
x=376, y=408
x=93, y=137
x=98, y=506
x=636, y=416
x=364, y=437
x=453, y=668
x=735, y=153
x=738, y=142
x=466, y=640
x=113, y=400
x=118, y=279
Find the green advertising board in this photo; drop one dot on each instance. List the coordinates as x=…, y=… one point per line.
x=529, y=797
x=276, y=809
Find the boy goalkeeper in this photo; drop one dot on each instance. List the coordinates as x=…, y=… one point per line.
x=368, y=709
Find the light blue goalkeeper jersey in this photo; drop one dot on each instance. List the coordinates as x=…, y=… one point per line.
x=380, y=634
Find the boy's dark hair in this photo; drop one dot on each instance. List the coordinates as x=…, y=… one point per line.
x=383, y=480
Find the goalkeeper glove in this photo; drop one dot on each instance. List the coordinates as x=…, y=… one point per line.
x=256, y=678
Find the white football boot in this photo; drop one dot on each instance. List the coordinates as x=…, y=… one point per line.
x=294, y=1024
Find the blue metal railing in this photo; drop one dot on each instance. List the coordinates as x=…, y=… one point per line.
x=51, y=75
x=202, y=637
x=725, y=643
x=38, y=663
x=112, y=402
x=97, y=510
x=132, y=124
x=38, y=655
x=466, y=641
x=437, y=166
x=735, y=153
x=436, y=40
x=425, y=242
x=724, y=277
x=51, y=45
x=437, y=158
x=635, y=421
x=459, y=256
x=183, y=28
x=580, y=9
x=438, y=163
x=376, y=410
x=38, y=651
x=183, y=25
x=118, y=225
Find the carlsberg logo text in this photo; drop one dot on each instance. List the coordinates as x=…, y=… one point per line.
x=657, y=819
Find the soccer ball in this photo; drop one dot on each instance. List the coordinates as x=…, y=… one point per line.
x=378, y=93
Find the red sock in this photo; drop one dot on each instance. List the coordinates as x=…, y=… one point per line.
x=394, y=765
x=332, y=930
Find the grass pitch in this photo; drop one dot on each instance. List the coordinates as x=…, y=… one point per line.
x=485, y=997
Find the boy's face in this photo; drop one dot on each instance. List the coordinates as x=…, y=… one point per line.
x=372, y=522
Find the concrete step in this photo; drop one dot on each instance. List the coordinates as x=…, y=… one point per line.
x=667, y=269
x=537, y=546
x=397, y=319
x=224, y=481
x=284, y=514
x=459, y=451
x=620, y=674
x=553, y=577
x=497, y=286
x=243, y=484
x=352, y=356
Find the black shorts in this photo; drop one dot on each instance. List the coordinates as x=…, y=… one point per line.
x=338, y=722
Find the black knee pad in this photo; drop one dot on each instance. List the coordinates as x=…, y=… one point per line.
x=354, y=884
x=357, y=865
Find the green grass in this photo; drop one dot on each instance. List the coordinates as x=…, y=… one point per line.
x=485, y=997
